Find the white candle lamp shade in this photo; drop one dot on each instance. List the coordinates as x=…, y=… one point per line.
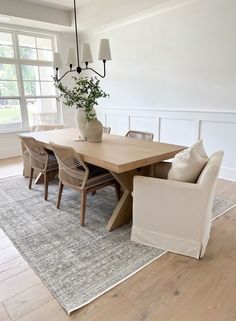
x=104, y=50
x=71, y=58
x=57, y=63
x=86, y=55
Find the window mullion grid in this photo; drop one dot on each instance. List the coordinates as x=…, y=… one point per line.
x=58, y=103
x=18, y=62
x=40, y=85
x=39, y=97
x=10, y=61
x=36, y=62
x=23, y=102
x=36, y=47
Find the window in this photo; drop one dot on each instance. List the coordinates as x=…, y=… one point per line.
x=27, y=92
x=35, y=48
x=6, y=45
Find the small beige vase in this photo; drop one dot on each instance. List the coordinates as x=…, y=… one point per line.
x=93, y=131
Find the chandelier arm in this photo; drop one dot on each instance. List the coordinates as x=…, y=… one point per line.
x=96, y=72
x=79, y=69
x=76, y=33
x=59, y=79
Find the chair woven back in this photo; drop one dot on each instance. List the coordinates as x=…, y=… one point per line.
x=72, y=168
x=38, y=155
x=140, y=135
x=106, y=130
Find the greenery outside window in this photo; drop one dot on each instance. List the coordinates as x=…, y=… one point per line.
x=27, y=92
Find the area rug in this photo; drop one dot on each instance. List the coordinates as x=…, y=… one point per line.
x=77, y=264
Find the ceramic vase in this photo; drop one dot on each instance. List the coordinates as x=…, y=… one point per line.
x=80, y=120
x=93, y=131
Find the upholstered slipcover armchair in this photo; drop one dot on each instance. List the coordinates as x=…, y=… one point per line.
x=172, y=215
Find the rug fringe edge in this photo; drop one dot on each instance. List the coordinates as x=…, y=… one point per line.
x=111, y=287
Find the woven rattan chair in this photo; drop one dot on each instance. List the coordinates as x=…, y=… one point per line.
x=25, y=153
x=75, y=173
x=106, y=130
x=41, y=160
x=140, y=135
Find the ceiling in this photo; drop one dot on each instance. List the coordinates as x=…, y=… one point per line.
x=57, y=15
x=62, y=4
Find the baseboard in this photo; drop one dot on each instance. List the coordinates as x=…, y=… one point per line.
x=10, y=152
x=9, y=155
x=228, y=173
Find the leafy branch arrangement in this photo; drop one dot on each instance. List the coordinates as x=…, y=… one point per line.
x=85, y=94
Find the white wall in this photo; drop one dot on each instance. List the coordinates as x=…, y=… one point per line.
x=178, y=60
x=182, y=58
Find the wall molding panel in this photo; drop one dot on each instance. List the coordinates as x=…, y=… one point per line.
x=184, y=127
x=9, y=145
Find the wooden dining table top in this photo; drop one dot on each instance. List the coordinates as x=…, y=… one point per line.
x=115, y=153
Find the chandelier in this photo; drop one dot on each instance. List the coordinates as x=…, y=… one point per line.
x=73, y=60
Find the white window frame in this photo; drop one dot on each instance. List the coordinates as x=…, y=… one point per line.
x=18, y=62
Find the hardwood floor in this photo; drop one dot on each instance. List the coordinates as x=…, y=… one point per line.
x=172, y=288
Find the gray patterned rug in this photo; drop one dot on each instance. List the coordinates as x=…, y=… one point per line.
x=76, y=263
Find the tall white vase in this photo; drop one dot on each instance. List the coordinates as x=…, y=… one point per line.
x=80, y=120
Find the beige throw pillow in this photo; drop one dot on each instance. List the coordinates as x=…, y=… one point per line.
x=188, y=164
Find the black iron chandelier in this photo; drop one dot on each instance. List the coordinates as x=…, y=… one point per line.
x=73, y=60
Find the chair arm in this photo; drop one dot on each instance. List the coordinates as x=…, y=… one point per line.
x=167, y=205
x=164, y=184
x=161, y=169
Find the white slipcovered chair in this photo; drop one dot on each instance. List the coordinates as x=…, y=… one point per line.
x=172, y=215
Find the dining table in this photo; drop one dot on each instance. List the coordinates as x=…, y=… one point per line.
x=122, y=156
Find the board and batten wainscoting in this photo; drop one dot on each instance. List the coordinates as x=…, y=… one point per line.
x=183, y=127
x=10, y=144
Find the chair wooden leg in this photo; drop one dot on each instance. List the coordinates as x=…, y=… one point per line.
x=59, y=194
x=45, y=186
x=31, y=177
x=82, y=207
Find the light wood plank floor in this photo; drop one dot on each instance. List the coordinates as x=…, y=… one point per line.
x=173, y=288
